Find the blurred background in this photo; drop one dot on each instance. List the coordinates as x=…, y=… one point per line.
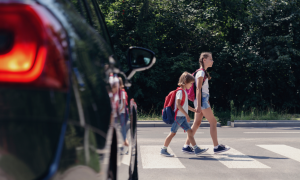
x=255, y=46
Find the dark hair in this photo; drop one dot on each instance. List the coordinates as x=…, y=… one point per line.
x=204, y=55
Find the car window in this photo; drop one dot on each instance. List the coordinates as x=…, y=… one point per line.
x=90, y=11
x=102, y=21
x=78, y=4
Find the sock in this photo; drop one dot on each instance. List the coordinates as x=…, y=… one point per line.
x=195, y=146
x=165, y=147
x=185, y=146
x=216, y=147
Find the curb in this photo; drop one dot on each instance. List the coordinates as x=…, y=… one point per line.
x=264, y=123
x=162, y=124
x=236, y=123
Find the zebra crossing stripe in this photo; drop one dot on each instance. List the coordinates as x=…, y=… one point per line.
x=272, y=132
x=284, y=150
x=126, y=159
x=235, y=159
x=151, y=158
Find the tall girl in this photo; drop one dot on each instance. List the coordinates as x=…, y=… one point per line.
x=122, y=109
x=202, y=94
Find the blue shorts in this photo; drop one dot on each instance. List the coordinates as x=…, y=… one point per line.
x=181, y=122
x=123, y=125
x=204, y=100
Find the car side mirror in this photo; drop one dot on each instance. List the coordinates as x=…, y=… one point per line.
x=139, y=59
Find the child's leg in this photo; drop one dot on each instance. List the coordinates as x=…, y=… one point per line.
x=197, y=150
x=197, y=121
x=213, y=124
x=164, y=151
x=169, y=138
x=174, y=129
x=191, y=137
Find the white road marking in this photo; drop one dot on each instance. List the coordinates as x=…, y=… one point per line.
x=272, y=132
x=235, y=159
x=151, y=158
x=284, y=150
x=183, y=133
x=126, y=159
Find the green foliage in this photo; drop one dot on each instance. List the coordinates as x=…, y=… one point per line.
x=255, y=46
x=255, y=114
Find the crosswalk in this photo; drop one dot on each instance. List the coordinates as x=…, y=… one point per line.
x=234, y=159
x=284, y=150
x=151, y=159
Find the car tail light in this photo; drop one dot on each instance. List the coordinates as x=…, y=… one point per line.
x=33, y=47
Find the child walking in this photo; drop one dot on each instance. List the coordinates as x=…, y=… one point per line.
x=202, y=95
x=122, y=110
x=182, y=118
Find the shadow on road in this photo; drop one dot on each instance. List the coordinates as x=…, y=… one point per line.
x=228, y=157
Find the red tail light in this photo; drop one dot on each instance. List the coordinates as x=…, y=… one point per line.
x=33, y=47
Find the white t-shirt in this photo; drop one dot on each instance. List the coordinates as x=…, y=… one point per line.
x=205, y=86
x=121, y=104
x=185, y=105
x=116, y=99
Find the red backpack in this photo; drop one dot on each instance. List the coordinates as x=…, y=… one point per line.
x=192, y=91
x=168, y=113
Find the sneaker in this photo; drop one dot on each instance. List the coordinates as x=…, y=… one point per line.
x=165, y=153
x=188, y=150
x=221, y=148
x=199, y=150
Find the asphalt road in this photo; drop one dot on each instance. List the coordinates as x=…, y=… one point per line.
x=256, y=153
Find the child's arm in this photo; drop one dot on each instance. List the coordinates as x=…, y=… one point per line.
x=123, y=102
x=198, y=94
x=192, y=109
x=178, y=101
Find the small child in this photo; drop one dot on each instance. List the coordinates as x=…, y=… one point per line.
x=185, y=82
x=122, y=109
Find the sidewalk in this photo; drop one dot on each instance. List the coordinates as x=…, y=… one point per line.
x=264, y=123
x=236, y=123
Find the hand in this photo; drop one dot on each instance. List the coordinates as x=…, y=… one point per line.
x=198, y=109
x=188, y=118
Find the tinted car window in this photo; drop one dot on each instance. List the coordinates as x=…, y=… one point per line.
x=90, y=11
x=96, y=10
x=81, y=8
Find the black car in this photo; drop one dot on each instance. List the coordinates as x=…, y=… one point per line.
x=56, y=119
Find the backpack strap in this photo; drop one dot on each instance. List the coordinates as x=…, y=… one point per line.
x=181, y=103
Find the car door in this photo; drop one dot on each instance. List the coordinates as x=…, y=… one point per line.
x=91, y=12
x=59, y=125
x=86, y=149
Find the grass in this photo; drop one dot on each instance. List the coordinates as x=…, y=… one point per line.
x=264, y=115
x=250, y=115
x=142, y=116
x=149, y=117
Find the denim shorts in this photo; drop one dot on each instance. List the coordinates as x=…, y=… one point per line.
x=204, y=100
x=123, y=125
x=181, y=122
